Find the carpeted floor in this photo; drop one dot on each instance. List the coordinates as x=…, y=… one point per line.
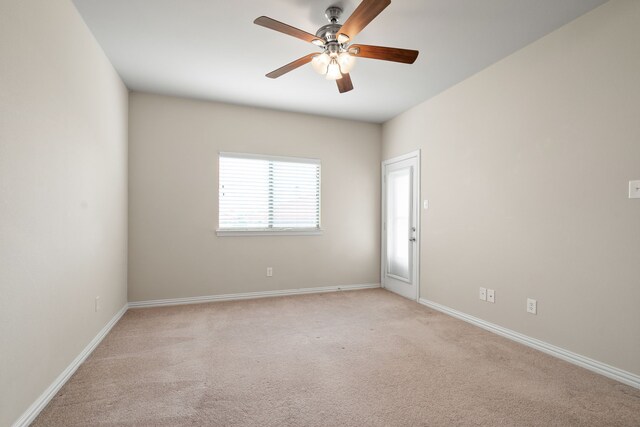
x=362, y=358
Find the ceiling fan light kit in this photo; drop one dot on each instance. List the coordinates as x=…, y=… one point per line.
x=337, y=59
x=333, y=71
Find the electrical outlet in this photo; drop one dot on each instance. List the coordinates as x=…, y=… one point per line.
x=491, y=295
x=269, y=271
x=532, y=306
x=97, y=304
x=483, y=294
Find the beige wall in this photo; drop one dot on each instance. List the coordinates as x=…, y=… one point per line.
x=63, y=202
x=526, y=166
x=173, y=200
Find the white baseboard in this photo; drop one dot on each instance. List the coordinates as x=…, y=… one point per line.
x=32, y=412
x=620, y=375
x=249, y=295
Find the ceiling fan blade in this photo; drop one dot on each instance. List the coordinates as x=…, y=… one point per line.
x=394, y=54
x=345, y=84
x=285, y=29
x=362, y=16
x=291, y=66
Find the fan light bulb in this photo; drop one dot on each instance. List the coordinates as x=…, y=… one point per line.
x=320, y=63
x=346, y=62
x=333, y=71
x=318, y=42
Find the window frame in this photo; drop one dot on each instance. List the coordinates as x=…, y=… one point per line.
x=285, y=231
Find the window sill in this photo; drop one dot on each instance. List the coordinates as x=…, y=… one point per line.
x=284, y=232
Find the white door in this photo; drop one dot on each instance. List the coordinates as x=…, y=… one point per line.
x=400, y=224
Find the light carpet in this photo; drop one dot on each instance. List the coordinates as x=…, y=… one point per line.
x=361, y=358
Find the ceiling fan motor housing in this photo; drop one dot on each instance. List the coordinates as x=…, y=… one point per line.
x=329, y=32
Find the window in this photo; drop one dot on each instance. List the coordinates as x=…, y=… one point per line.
x=268, y=195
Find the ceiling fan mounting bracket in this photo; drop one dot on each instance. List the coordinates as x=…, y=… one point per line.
x=333, y=14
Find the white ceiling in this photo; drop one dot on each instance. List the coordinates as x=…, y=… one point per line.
x=211, y=50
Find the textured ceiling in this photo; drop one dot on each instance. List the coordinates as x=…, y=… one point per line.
x=212, y=50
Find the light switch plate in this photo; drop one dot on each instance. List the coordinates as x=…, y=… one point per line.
x=425, y=204
x=483, y=294
x=634, y=189
x=491, y=295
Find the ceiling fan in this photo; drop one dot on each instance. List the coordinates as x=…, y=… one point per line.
x=338, y=55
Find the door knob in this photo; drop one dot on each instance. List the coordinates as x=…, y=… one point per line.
x=413, y=239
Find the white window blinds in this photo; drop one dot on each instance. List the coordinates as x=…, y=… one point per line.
x=265, y=193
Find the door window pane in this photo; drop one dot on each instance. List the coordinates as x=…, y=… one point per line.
x=398, y=222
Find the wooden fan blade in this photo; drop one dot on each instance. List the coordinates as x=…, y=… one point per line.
x=345, y=84
x=291, y=66
x=394, y=54
x=362, y=16
x=284, y=28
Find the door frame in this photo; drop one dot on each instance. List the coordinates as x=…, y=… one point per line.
x=417, y=213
